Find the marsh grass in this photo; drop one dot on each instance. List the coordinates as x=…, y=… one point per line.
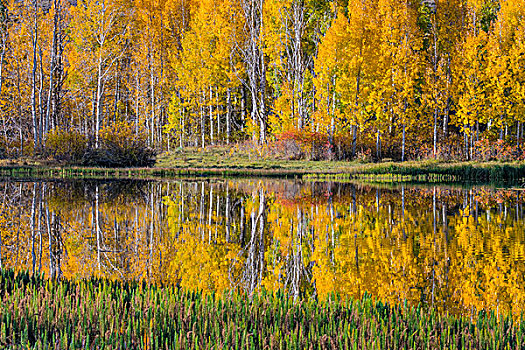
x=221, y=161
x=36, y=313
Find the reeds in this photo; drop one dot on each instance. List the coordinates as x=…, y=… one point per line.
x=423, y=171
x=99, y=314
x=430, y=173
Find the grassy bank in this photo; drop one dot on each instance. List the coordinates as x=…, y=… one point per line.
x=95, y=314
x=221, y=161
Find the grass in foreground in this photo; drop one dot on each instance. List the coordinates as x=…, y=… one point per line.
x=96, y=314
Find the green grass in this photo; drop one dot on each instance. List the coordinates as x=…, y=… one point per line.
x=223, y=161
x=98, y=314
x=228, y=158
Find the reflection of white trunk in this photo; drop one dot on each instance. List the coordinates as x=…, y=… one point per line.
x=227, y=213
x=201, y=212
x=297, y=259
x=218, y=213
x=356, y=246
x=254, y=264
x=254, y=60
x=210, y=213
x=517, y=215
x=151, y=230
x=182, y=218
x=97, y=228
x=378, y=197
x=332, y=231
x=403, y=211
x=32, y=223
x=52, y=268
x=434, y=225
x=241, y=225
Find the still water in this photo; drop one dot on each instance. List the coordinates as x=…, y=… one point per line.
x=457, y=249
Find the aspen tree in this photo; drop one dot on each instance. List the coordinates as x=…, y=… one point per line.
x=344, y=67
x=471, y=78
x=98, y=40
x=252, y=53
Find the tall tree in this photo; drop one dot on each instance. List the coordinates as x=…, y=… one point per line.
x=99, y=41
x=252, y=53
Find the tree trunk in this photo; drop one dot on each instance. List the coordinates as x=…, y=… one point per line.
x=203, y=126
x=218, y=112
x=34, y=39
x=243, y=108
x=153, y=117
x=228, y=114
x=403, y=144
x=52, y=64
x=518, y=135
x=253, y=57
x=435, y=133
x=98, y=102
x=211, y=117
x=378, y=145
x=465, y=139
x=2, y=53
x=354, y=141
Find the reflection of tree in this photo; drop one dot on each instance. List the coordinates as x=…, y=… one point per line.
x=459, y=249
x=254, y=250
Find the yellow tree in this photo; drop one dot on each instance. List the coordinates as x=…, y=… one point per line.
x=506, y=67
x=207, y=67
x=393, y=99
x=98, y=41
x=406, y=66
x=443, y=23
x=330, y=66
x=344, y=70
x=471, y=79
x=288, y=63
x=252, y=53
x=149, y=62
x=158, y=28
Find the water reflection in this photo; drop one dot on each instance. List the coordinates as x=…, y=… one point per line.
x=461, y=250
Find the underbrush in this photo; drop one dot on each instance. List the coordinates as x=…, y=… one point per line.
x=120, y=145
x=306, y=145
x=93, y=314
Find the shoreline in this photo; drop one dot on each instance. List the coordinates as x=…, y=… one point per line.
x=420, y=171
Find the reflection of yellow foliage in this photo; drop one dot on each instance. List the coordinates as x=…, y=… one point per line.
x=332, y=243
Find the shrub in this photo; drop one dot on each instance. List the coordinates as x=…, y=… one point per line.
x=65, y=145
x=120, y=146
x=295, y=144
x=485, y=149
x=450, y=149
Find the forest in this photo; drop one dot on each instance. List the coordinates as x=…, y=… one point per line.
x=317, y=79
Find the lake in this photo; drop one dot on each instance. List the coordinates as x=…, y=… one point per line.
x=458, y=249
